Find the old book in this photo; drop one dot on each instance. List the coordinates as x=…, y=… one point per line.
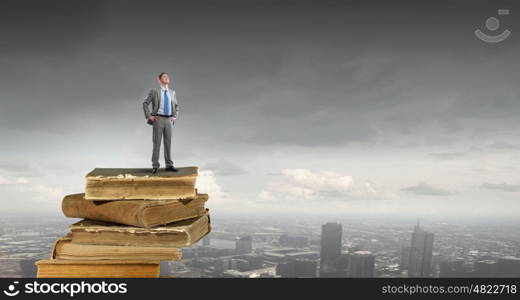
x=121, y=184
x=177, y=234
x=140, y=213
x=57, y=268
x=65, y=249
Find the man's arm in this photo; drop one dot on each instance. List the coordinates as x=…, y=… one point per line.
x=176, y=106
x=146, y=104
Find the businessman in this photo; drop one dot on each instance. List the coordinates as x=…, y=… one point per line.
x=165, y=109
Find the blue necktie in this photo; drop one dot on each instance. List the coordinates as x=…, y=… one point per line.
x=166, y=103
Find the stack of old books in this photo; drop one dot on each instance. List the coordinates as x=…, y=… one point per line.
x=132, y=220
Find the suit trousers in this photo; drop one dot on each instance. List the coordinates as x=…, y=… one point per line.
x=162, y=127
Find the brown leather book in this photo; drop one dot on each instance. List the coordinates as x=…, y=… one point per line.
x=65, y=249
x=177, y=234
x=124, y=184
x=140, y=213
x=57, y=268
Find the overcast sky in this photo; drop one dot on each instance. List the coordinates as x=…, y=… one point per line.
x=302, y=107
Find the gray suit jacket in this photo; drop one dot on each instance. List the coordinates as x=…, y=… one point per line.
x=154, y=97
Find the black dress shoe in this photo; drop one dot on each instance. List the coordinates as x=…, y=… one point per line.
x=171, y=169
x=155, y=170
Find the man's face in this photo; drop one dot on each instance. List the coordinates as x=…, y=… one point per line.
x=165, y=79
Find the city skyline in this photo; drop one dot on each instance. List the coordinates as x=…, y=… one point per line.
x=292, y=249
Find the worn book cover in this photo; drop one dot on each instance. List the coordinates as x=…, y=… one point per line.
x=57, y=268
x=177, y=234
x=64, y=248
x=140, y=213
x=140, y=183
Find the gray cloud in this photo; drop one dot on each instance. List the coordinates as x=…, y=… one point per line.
x=504, y=145
x=16, y=166
x=282, y=83
x=504, y=187
x=424, y=189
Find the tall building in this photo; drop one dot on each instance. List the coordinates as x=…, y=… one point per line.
x=244, y=245
x=421, y=248
x=404, y=257
x=361, y=264
x=331, y=241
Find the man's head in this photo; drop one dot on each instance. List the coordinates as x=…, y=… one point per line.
x=164, y=79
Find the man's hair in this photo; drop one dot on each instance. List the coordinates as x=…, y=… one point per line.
x=161, y=74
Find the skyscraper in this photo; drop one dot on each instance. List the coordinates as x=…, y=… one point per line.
x=361, y=264
x=331, y=242
x=404, y=257
x=419, y=264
